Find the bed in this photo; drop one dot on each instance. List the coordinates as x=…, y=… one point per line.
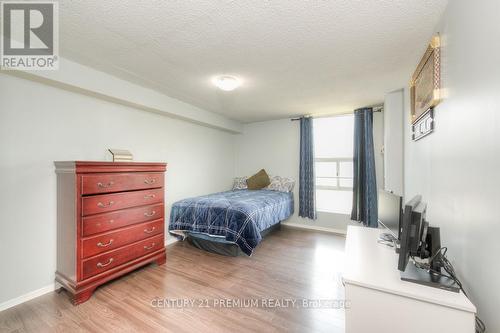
x=225, y=221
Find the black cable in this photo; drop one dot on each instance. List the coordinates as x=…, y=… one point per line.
x=448, y=267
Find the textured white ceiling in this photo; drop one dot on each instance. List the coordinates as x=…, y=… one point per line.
x=295, y=57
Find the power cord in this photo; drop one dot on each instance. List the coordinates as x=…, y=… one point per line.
x=448, y=267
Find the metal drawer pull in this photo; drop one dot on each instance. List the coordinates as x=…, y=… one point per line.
x=100, y=265
x=149, y=247
x=109, y=222
x=150, y=214
x=149, y=196
x=109, y=204
x=105, y=244
x=150, y=181
x=148, y=231
x=101, y=185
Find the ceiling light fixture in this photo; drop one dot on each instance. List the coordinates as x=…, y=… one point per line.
x=226, y=82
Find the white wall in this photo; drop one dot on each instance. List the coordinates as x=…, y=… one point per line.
x=457, y=168
x=275, y=146
x=91, y=82
x=40, y=124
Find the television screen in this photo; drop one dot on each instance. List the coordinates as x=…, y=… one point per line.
x=408, y=232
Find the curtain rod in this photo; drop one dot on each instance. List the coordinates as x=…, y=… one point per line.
x=375, y=109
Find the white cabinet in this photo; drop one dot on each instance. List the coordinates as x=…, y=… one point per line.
x=380, y=302
x=394, y=141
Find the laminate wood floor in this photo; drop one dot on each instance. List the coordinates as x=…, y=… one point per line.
x=197, y=291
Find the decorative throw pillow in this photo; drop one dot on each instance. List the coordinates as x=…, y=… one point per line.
x=258, y=181
x=287, y=184
x=281, y=184
x=240, y=183
x=275, y=183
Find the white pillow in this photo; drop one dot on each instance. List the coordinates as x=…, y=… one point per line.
x=281, y=184
x=275, y=183
x=240, y=183
x=287, y=184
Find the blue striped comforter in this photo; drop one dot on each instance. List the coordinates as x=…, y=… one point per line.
x=239, y=216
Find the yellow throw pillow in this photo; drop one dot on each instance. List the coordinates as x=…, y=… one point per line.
x=259, y=180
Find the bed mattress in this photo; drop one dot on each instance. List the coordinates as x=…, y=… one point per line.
x=236, y=217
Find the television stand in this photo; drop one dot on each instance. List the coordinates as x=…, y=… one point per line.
x=420, y=275
x=377, y=300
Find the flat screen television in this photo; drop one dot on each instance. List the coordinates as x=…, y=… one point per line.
x=420, y=240
x=409, y=235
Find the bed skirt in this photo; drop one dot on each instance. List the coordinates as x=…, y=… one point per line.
x=219, y=245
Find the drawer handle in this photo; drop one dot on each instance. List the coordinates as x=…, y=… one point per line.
x=101, y=185
x=102, y=205
x=148, y=231
x=100, y=265
x=150, y=181
x=149, y=196
x=149, y=247
x=149, y=214
x=109, y=222
x=100, y=244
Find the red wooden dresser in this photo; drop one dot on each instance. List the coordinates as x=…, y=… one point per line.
x=109, y=222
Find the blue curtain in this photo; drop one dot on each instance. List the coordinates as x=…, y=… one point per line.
x=364, y=202
x=307, y=194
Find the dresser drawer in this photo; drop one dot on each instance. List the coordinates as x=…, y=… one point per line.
x=109, y=202
x=108, y=260
x=117, y=182
x=115, y=239
x=95, y=224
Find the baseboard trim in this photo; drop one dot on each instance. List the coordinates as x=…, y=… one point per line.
x=171, y=241
x=339, y=232
x=27, y=297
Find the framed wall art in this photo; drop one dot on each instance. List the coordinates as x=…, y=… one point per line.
x=425, y=82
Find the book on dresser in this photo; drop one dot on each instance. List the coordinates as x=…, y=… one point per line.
x=110, y=221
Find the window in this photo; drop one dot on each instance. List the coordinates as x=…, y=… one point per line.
x=333, y=149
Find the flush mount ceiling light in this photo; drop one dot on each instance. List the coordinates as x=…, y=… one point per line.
x=226, y=82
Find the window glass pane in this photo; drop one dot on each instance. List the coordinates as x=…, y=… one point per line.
x=326, y=182
x=346, y=169
x=333, y=139
x=334, y=201
x=345, y=182
x=333, y=136
x=326, y=169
